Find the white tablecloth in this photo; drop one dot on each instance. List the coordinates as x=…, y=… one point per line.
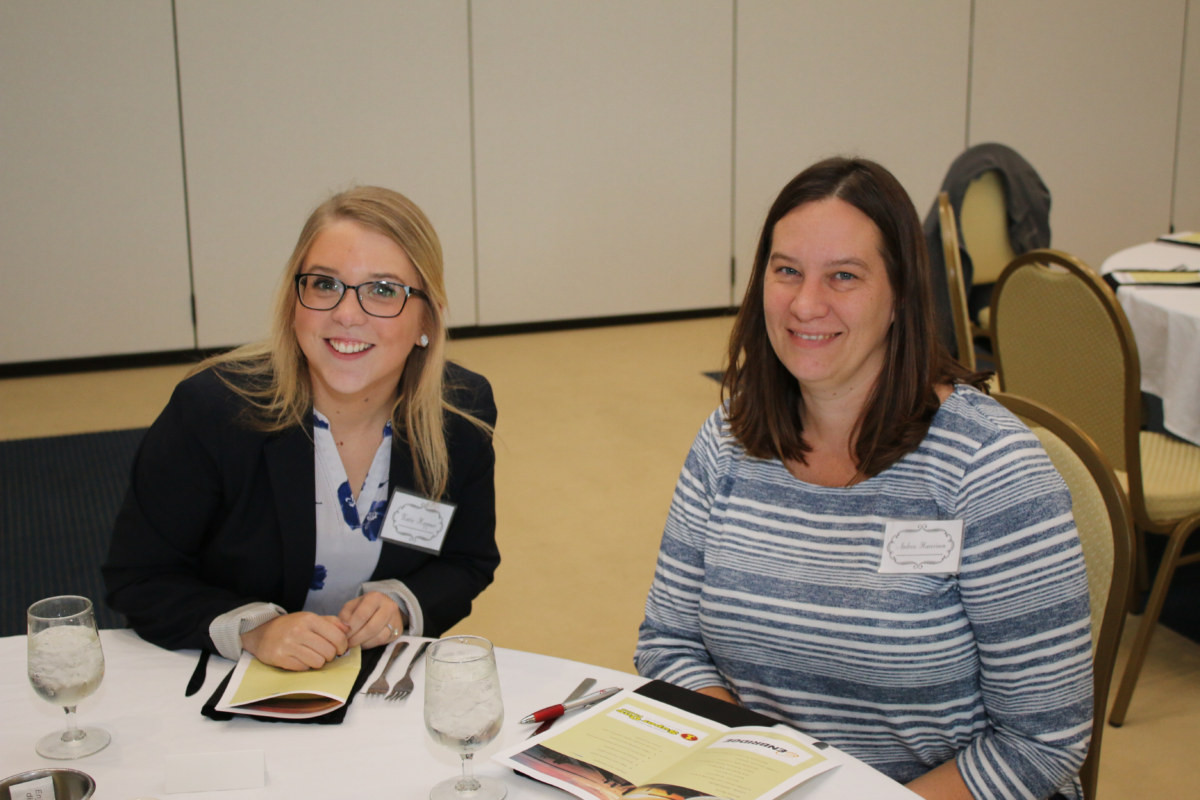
x=380, y=751
x=1166, y=325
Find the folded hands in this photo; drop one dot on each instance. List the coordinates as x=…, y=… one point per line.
x=303, y=640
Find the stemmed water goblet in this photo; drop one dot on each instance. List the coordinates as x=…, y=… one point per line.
x=66, y=665
x=463, y=710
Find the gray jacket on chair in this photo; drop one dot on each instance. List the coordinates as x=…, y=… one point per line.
x=1028, y=202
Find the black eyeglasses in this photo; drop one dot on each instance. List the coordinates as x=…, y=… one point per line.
x=377, y=298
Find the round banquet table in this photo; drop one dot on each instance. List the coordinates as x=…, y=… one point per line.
x=1166, y=326
x=380, y=751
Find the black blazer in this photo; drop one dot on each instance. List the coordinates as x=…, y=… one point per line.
x=219, y=515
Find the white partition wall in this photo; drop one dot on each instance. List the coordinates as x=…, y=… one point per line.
x=93, y=243
x=1087, y=91
x=1187, y=169
x=578, y=158
x=285, y=102
x=602, y=156
x=876, y=78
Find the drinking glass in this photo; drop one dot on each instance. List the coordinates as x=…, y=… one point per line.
x=66, y=665
x=463, y=710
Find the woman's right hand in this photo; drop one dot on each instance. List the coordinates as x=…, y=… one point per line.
x=298, y=641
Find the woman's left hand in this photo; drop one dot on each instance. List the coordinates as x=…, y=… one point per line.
x=369, y=618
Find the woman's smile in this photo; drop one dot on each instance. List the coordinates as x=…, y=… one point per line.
x=350, y=353
x=347, y=347
x=827, y=297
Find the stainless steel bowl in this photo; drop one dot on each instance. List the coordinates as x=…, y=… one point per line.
x=69, y=784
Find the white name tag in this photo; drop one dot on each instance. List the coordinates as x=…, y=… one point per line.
x=926, y=547
x=417, y=522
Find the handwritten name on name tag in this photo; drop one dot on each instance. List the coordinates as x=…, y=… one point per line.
x=925, y=547
x=417, y=522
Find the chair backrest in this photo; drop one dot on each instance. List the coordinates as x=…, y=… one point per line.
x=1105, y=525
x=954, y=278
x=1061, y=339
x=984, y=217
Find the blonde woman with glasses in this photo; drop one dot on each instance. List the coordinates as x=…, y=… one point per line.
x=331, y=486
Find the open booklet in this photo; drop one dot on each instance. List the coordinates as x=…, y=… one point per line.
x=634, y=746
x=262, y=691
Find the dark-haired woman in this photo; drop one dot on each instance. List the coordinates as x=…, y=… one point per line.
x=862, y=543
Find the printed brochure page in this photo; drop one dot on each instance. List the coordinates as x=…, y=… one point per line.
x=635, y=747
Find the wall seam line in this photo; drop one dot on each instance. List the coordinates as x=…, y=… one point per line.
x=187, y=209
x=474, y=177
x=970, y=75
x=733, y=164
x=1179, y=115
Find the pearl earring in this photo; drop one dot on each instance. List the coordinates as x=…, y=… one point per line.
x=424, y=340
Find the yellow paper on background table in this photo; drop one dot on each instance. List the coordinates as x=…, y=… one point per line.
x=1157, y=277
x=1184, y=237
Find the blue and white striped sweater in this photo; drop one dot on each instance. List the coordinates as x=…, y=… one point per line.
x=769, y=585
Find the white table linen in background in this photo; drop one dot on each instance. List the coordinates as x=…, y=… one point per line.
x=381, y=750
x=1166, y=325
x=1154, y=255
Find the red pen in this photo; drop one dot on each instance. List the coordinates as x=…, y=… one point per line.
x=556, y=711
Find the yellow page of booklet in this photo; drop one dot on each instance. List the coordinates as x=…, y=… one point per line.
x=635, y=740
x=335, y=679
x=744, y=764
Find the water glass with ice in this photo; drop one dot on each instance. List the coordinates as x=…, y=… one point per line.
x=66, y=665
x=463, y=710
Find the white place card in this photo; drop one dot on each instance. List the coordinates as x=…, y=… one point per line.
x=417, y=522
x=924, y=547
x=36, y=789
x=215, y=772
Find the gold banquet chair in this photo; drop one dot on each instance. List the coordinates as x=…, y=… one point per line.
x=1062, y=339
x=984, y=216
x=954, y=277
x=1105, y=524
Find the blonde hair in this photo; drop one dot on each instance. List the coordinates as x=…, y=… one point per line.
x=272, y=375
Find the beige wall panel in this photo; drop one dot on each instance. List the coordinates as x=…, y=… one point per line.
x=876, y=78
x=1087, y=91
x=1187, y=176
x=93, y=243
x=602, y=156
x=285, y=102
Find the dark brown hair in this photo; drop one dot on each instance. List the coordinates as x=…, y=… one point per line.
x=764, y=398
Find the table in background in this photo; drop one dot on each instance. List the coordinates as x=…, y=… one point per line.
x=1166, y=325
x=381, y=750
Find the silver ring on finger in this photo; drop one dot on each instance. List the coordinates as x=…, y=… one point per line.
x=395, y=633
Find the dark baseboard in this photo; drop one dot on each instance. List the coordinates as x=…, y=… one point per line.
x=63, y=366
x=476, y=331
x=169, y=357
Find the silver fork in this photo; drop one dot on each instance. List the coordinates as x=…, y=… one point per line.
x=404, y=686
x=380, y=685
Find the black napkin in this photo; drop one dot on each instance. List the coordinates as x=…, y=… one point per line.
x=703, y=706
x=369, y=659
x=708, y=707
x=200, y=675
